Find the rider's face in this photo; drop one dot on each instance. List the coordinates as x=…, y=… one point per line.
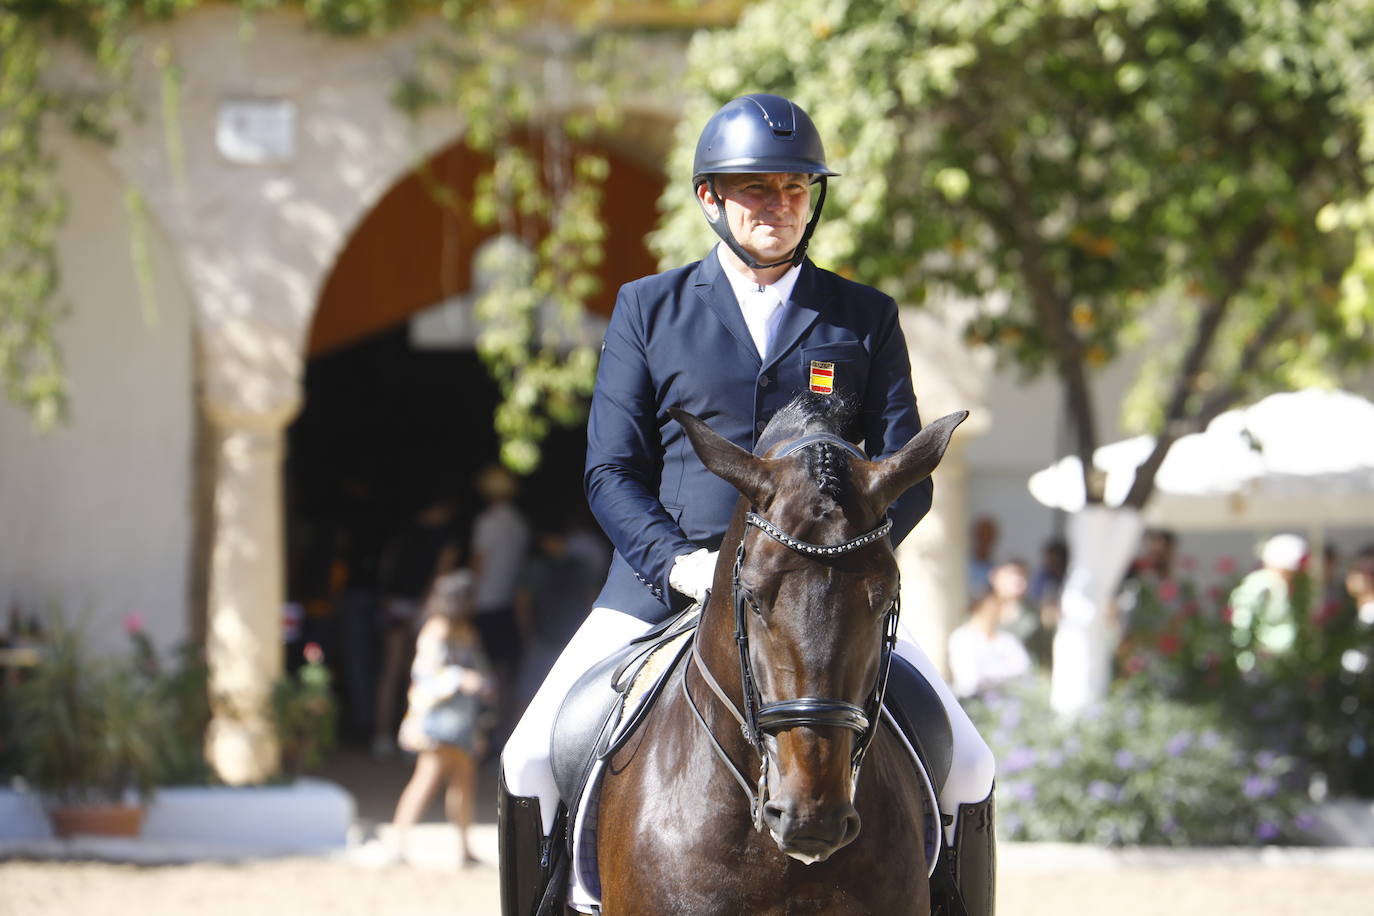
x=766, y=212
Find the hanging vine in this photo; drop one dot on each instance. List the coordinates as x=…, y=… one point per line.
x=511, y=76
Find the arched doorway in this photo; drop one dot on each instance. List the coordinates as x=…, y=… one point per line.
x=391, y=421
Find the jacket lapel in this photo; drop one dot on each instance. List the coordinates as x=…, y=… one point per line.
x=714, y=289
x=798, y=314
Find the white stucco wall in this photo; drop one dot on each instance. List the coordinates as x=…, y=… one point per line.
x=95, y=517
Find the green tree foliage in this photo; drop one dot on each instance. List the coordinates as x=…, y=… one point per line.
x=1179, y=177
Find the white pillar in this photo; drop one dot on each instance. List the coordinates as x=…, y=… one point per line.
x=932, y=560
x=1102, y=541
x=243, y=639
x=948, y=375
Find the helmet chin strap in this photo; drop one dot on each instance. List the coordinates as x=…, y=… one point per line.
x=722, y=229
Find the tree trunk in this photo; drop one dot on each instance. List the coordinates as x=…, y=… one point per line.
x=1102, y=541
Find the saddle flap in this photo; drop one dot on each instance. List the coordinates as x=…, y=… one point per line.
x=587, y=714
x=920, y=714
x=592, y=714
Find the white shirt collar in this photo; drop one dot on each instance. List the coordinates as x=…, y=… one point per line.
x=783, y=286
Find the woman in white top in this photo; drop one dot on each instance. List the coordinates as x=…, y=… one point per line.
x=982, y=652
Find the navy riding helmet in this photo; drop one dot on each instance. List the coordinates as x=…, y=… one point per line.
x=760, y=133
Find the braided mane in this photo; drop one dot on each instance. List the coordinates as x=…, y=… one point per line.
x=809, y=413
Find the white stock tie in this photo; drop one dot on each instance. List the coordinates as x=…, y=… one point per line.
x=761, y=307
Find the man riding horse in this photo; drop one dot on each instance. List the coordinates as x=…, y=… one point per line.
x=731, y=339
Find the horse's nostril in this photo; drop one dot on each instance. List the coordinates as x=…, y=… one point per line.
x=778, y=817
x=851, y=823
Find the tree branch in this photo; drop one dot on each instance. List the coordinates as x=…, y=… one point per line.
x=1176, y=421
x=1050, y=307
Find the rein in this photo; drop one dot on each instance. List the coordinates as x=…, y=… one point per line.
x=759, y=719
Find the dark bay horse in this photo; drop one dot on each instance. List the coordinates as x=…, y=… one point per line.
x=742, y=793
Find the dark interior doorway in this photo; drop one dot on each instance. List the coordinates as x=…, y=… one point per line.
x=386, y=430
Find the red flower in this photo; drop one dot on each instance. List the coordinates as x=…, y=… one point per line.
x=1226, y=566
x=1169, y=644
x=133, y=624
x=313, y=653
x=1168, y=590
x=1187, y=563
x=1328, y=611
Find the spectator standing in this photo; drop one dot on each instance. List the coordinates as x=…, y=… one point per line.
x=1263, y=619
x=500, y=538
x=1046, y=588
x=1359, y=582
x=422, y=550
x=557, y=588
x=448, y=714
x=982, y=652
x=982, y=547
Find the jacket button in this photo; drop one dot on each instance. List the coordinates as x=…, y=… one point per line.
x=764, y=381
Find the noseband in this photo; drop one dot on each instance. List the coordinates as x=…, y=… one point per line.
x=759, y=719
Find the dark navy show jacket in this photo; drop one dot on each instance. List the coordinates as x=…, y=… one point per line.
x=678, y=339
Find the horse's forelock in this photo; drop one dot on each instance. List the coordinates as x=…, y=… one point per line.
x=810, y=413
x=807, y=413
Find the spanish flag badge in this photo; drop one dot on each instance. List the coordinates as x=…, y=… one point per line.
x=822, y=377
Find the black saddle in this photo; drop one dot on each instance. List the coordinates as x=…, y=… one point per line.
x=591, y=713
x=919, y=713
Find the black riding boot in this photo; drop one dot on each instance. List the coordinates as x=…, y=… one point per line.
x=967, y=878
x=530, y=861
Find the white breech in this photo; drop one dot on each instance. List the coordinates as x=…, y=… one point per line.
x=525, y=759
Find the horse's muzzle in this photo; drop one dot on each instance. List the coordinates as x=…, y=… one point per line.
x=812, y=836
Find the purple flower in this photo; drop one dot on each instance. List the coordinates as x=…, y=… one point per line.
x=1102, y=791
x=1169, y=826
x=1266, y=759
x=1178, y=744
x=1125, y=760
x=1018, y=760
x=1266, y=831
x=1210, y=739
x=1259, y=787
x=1022, y=790
x=1305, y=822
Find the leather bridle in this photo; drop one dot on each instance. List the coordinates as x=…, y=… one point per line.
x=759, y=719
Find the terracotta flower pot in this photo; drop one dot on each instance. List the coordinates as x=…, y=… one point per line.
x=98, y=819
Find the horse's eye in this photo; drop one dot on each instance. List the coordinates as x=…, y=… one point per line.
x=753, y=603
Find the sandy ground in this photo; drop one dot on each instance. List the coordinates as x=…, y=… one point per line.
x=1033, y=880
x=306, y=887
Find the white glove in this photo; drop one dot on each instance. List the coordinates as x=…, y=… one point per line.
x=693, y=573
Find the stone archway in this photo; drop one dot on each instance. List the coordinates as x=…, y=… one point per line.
x=388, y=422
x=257, y=242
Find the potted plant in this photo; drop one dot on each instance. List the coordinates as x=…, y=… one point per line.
x=88, y=735
x=304, y=714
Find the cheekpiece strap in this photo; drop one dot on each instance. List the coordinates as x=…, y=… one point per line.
x=817, y=550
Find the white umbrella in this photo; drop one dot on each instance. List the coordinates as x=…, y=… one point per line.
x=1298, y=459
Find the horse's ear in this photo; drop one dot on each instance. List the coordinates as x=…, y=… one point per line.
x=724, y=458
x=894, y=475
